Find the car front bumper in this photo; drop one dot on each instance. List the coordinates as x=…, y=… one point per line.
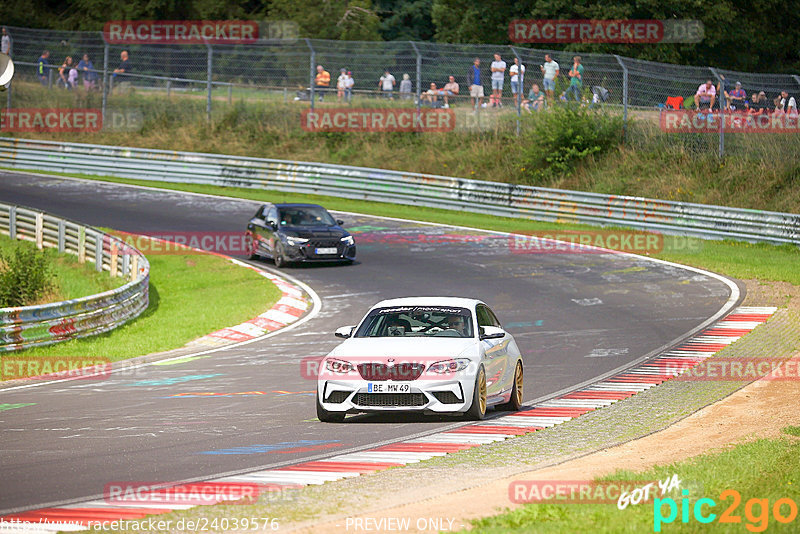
x=307, y=253
x=353, y=396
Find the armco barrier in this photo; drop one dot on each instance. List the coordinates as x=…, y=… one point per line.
x=28, y=326
x=494, y=198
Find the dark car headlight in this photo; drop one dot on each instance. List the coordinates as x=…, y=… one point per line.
x=348, y=240
x=296, y=241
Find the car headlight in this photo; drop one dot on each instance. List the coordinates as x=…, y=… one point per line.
x=449, y=366
x=294, y=241
x=339, y=366
x=348, y=240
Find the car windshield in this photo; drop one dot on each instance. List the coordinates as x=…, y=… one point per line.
x=306, y=216
x=417, y=321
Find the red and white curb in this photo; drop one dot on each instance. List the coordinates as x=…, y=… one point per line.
x=292, y=305
x=546, y=414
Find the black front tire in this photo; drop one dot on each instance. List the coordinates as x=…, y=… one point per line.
x=329, y=417
x=280, y=258
x=477, y=411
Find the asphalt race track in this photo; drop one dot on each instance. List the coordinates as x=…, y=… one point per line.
x=574, y=316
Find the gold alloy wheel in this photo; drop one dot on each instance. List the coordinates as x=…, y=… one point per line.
x=482, y=391
x=518, y=383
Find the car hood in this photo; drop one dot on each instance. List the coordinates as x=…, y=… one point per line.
x=382, y=348
x=315, y=232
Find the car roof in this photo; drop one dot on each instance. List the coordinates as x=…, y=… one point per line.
x=297, y=205
x=457, y=302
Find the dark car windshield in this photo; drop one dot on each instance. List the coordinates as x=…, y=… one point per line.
x=417, y=321
x=306, y=216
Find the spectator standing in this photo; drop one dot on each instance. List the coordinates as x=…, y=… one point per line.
x=41, y=67
x=5, y=42
x=535, y=100
x=405, y=87
x=386, y=84
x=63, y=72
x=341, y=85
x=576, y=78
x=516, y=83
x=498, y=69
x=451, y=88
x=550, y=71
x=322, y=81
x=475, y=85
x=705, y=96
x=86, y=67
x=348, y=93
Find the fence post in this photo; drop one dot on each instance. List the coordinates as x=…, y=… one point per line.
x=624, y=98
x=209, y=69
x=720, y=99
x=521, y=79
x=39, y=231
x=230, y=94
x=312, y=60
x=98, y=252
x=62, y=235
x=8, y=97
x=796, y=78
x=106, y=88
x=419, y=77
x=169, y=88
x=12, y=222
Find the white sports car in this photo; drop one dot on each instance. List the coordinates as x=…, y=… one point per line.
x=421, y=354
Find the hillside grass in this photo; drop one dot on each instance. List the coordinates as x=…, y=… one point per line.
x=759, y=170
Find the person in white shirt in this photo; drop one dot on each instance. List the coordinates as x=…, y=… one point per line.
x=348, y=91
x=386, y=83
x=498, y=75
x=785, y=104
x=550, y=70
x=5, y=43
x=341, y=85
x=516, y=83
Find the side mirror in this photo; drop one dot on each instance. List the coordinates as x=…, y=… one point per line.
x=255, y=221
x=492, y=332
x=273, y=225
x=339, y=222
x=344, y=332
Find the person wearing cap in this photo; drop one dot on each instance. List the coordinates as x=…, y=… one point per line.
x=341, y=84
x=737, y=97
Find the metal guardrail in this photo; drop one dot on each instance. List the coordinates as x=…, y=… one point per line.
x=538, y=203
x=28, y=326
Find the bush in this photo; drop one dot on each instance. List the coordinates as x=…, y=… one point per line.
x=25, y=276
x=557, y=140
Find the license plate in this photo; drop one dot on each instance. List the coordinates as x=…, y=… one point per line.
x=388, y=387
x=326, y=250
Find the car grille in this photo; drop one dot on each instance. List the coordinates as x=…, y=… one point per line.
x=390, y=399
x=320, y=243
x=377, y=372
x=447, y=397
x=337, y=397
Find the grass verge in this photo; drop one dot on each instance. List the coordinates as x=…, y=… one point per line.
x=190, y=296
x=71, y=278
x=765, y=470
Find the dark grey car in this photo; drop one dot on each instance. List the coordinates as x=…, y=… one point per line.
x=294, y=233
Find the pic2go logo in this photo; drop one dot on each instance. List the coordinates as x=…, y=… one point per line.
x=756, y=511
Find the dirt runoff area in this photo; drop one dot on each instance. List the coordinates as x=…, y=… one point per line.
x=759, y=410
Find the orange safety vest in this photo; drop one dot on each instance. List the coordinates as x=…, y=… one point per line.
x=323, y=78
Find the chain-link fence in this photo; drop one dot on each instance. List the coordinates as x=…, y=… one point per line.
x=284, y=72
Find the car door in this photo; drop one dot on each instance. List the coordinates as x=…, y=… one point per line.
x=257, y=228
x=495, y=353
x=510, y=350
x=271, y=229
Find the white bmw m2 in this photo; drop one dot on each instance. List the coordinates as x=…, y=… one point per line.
x=421, y=354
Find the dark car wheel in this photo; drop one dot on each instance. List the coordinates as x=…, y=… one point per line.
x=254, y=255
x=477, y=411
x=280, y=257
x=328, y=417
